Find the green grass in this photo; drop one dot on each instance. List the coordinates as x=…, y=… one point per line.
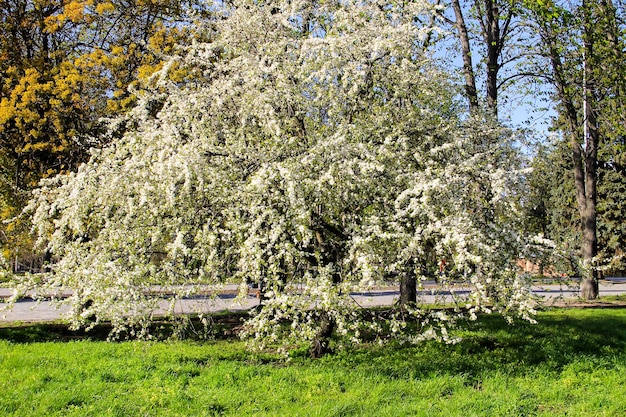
x=613, y=298
x=573, y=363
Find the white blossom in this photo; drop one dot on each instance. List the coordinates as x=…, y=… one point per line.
x=320, y=150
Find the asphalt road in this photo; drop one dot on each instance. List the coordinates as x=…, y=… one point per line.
x=28, y=311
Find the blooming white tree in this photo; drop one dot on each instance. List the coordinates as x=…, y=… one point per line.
x=316, y=144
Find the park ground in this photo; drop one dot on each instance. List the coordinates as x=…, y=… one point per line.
x=551, y=292
x=573, y=362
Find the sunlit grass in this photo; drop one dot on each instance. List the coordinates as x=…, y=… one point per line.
x=572, y=363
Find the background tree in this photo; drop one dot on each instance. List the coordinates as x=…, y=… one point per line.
x=551, y=207
x=66, y=64
x=491, y=39
x=553, y=211
x=584, y=45
x=42, y=105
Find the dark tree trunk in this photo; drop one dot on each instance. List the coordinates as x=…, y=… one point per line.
x=584, y=156
x=491, y=34
x=330, y=250
x=408, y=290
x=586, y=187
x=321, y=344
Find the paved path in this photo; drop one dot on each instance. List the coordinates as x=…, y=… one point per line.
x=28, y=311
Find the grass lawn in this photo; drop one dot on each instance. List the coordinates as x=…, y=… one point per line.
x=573, y=363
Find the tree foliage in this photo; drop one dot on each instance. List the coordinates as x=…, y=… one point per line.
x=317, y=151
x=65, y=64
x=584, y=45
x=552, y=210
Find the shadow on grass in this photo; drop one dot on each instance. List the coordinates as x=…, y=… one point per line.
x=220, y=327
x=50, y=332
x=562, y=337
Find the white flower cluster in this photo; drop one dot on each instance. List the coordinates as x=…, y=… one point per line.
x=317, y=151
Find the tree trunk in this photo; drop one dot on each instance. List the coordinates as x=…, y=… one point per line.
x=584, y=156
x=408, y=290
x=586, y=197
x=466, y=52
x=321, y=344
x=491, y=34
x=586, y=187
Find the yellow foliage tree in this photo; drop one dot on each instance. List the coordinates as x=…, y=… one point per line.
x=65, y=64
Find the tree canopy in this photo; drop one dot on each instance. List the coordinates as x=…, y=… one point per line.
x=315, y=144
